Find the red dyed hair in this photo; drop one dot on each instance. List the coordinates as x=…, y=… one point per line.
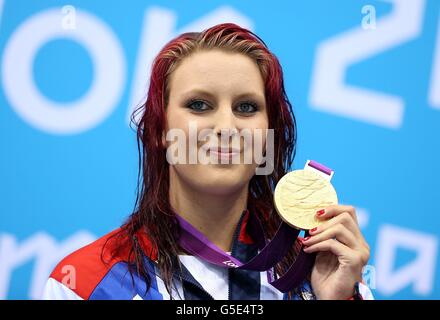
x=153, y=214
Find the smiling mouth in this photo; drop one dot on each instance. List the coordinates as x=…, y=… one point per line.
x=224, y=153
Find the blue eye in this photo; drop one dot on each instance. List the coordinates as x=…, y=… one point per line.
x=197, y=105
x=247, y=107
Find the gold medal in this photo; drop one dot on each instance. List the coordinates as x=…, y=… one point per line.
x=301, y=193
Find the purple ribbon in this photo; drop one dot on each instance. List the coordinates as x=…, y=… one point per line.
x=270, y=252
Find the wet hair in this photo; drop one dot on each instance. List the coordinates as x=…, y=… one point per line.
x=152, y=212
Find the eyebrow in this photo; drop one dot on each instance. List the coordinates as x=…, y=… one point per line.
x=209, y=95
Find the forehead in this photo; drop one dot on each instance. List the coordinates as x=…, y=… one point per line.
x=217, y=71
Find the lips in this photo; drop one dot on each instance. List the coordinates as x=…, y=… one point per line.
x=224, y=153
x=225, y=150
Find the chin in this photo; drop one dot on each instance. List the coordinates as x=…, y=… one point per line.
x=216, y=179
x=221, y=189
x=222, y=180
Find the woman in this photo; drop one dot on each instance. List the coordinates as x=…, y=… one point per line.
x=221, y=80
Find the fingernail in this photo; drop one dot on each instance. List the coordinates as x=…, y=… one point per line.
x=314, y=229
x=320, y=212
x=306, y=238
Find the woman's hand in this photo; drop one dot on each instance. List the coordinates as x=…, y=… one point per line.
x=342, y=252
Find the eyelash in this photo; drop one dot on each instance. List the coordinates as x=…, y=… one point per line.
x=191, y=102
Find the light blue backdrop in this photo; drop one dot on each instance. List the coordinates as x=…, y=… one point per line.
x=364, y=78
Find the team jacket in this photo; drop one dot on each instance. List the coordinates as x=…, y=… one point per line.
x=83, y=275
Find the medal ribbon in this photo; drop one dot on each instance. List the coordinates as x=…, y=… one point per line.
x=270, y=252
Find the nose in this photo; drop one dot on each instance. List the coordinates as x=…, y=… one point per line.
x=225, y=121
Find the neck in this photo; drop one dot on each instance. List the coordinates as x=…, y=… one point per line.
x=215, y=216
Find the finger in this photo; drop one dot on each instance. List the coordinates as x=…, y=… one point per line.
x=334, y=246
x=345, y=255
x=338, y=232
x=344, y=218
x=335, y=210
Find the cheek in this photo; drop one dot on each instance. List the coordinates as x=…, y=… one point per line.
x=259, y=121
x=176, y=118
x=259, y=129
x=182, y=119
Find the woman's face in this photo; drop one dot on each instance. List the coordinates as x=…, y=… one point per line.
x=215, y=90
